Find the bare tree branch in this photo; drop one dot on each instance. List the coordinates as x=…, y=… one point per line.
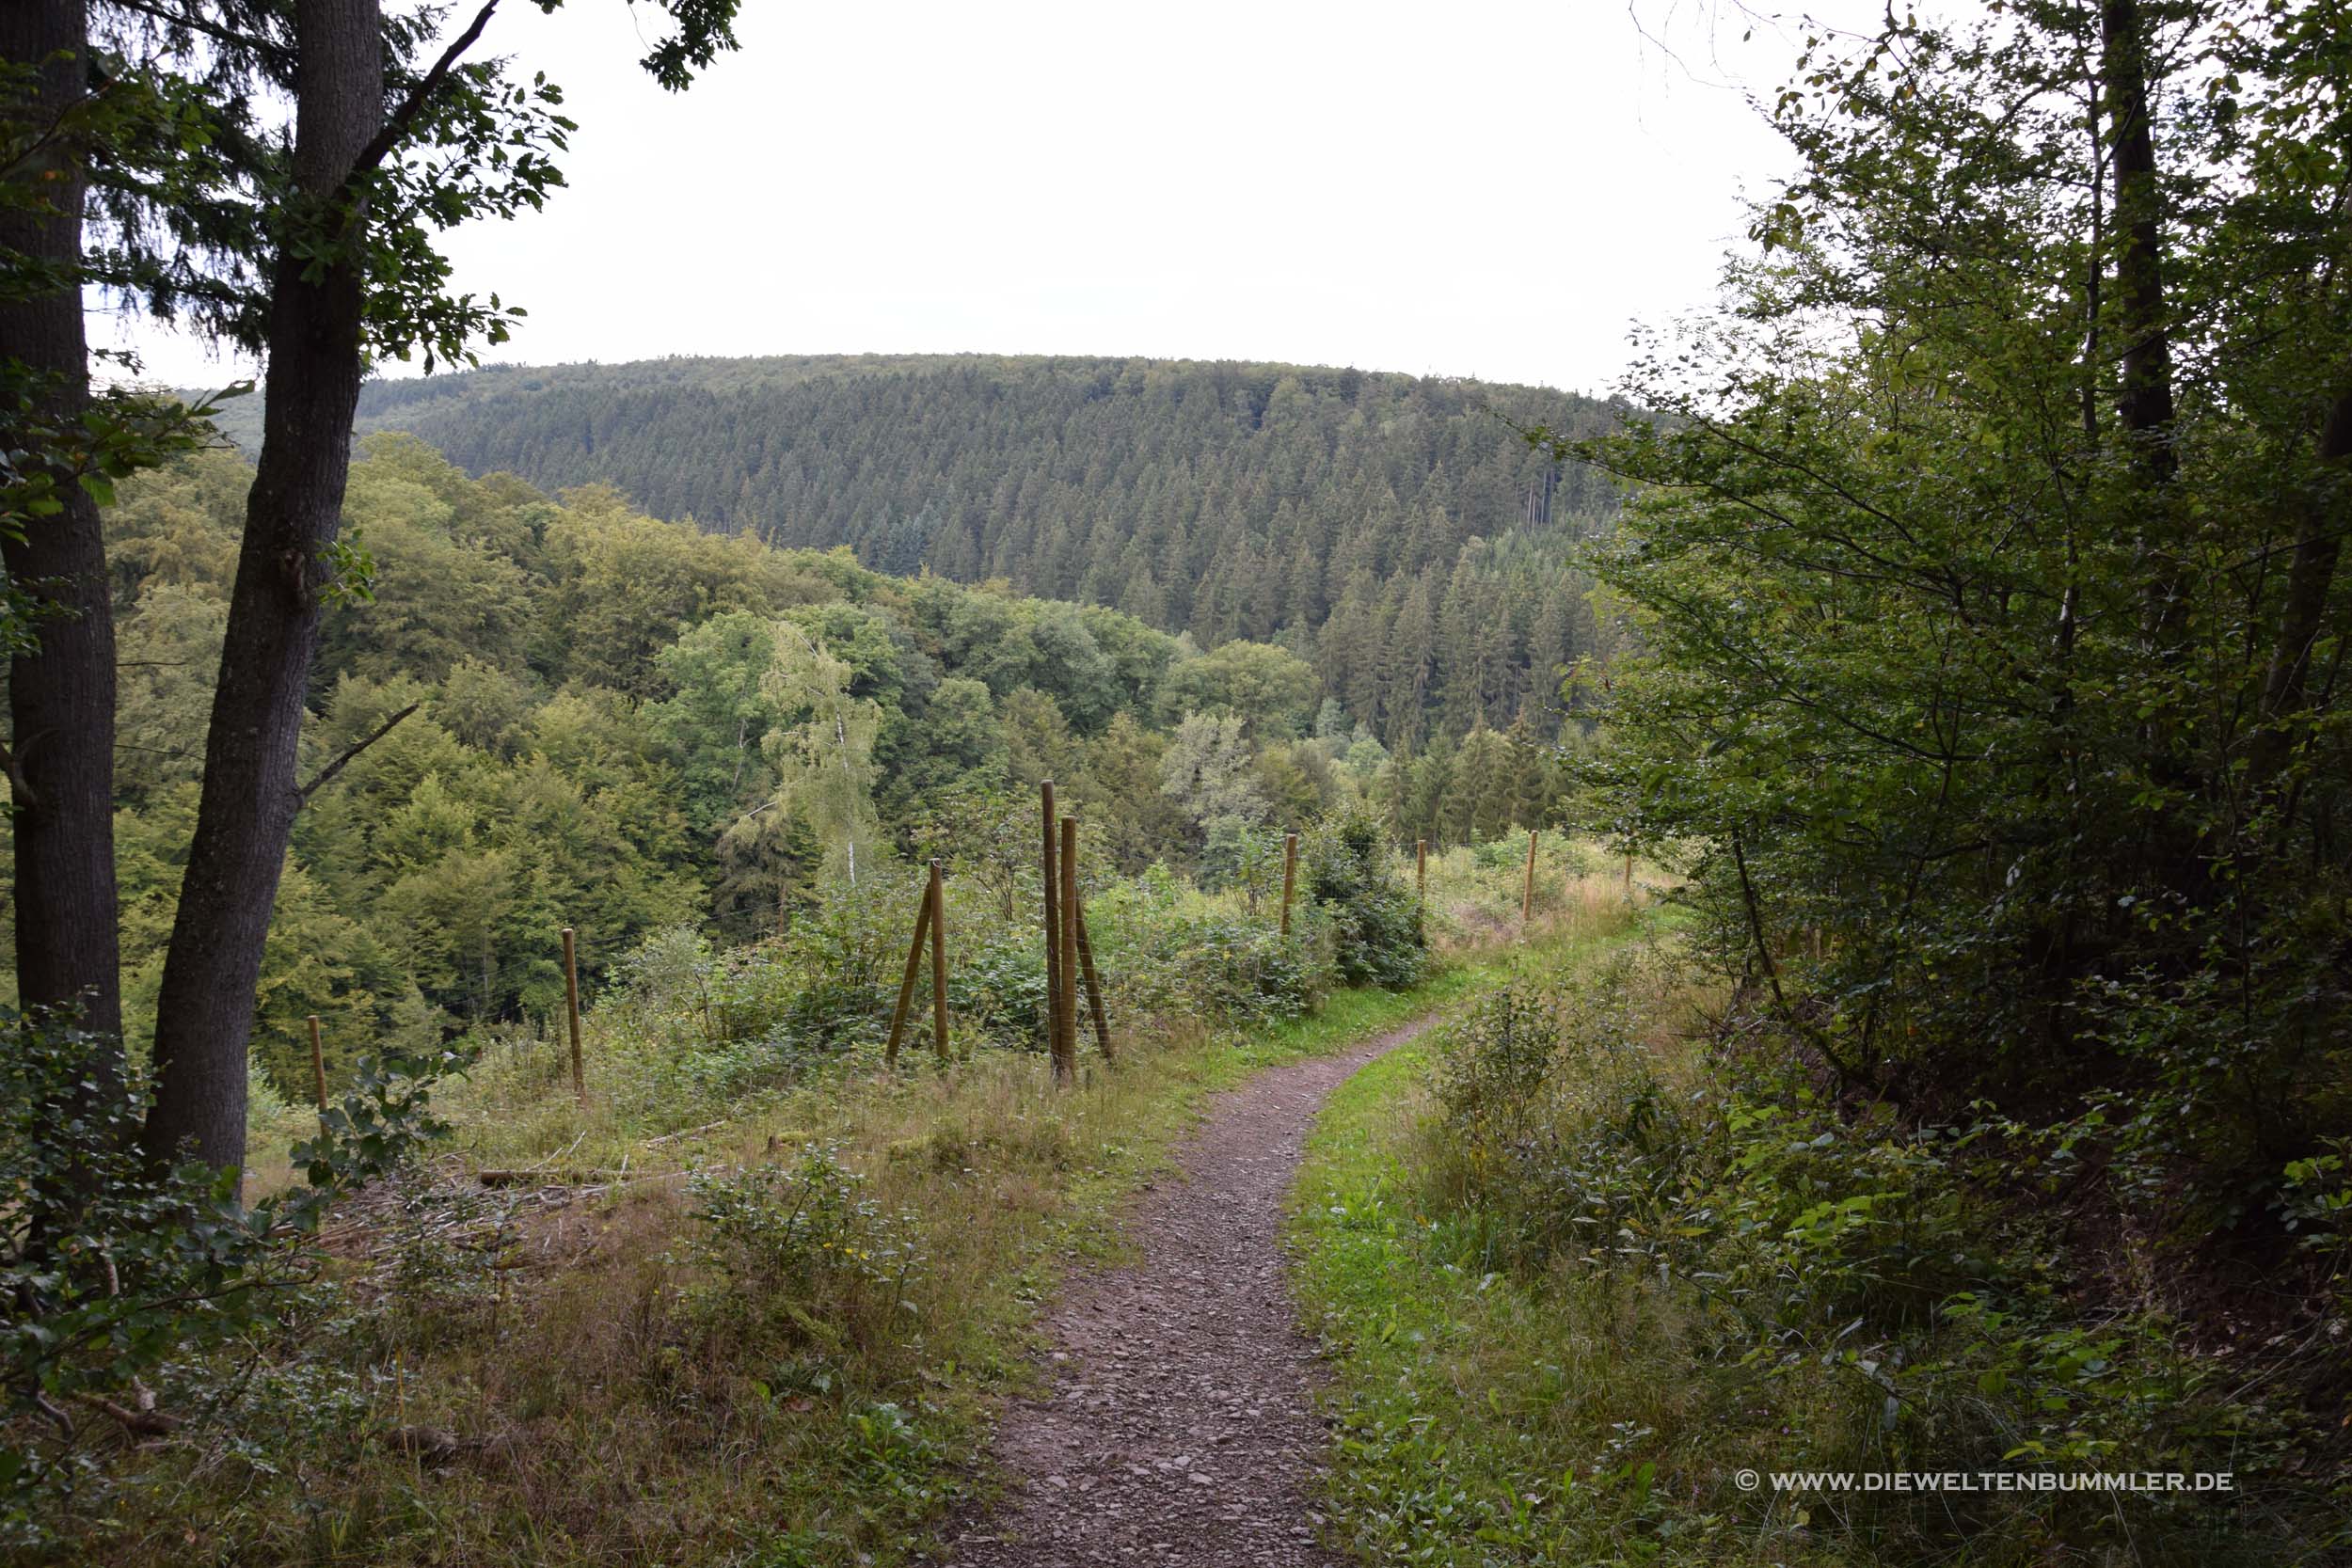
x=351, y=750
x=396, y=125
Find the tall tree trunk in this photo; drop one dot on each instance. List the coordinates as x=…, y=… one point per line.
x=2311, y=576
x=61, y=698
x=2145, y=412
x=2144, y=403
x=205, y=1010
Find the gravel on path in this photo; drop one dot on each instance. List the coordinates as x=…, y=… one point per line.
x=1180, y=1428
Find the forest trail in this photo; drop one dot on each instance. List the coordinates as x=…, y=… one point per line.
x=1180, y=1428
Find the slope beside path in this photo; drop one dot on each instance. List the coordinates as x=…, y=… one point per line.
x=1180, y=1428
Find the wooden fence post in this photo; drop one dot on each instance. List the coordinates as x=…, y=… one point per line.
x=318, y=1064
x=906, y=979
x=1421, y=871
x=1290, y=876
x=1628, y=873
x=1063, y=1067
x=1527, y=899
x=571, y=1009
x=1070, y=941
x=939, y=963
x=1094, y=986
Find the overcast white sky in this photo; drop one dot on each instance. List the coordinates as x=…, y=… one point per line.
x=1485, y=189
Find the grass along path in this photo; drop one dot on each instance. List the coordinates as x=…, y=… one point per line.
x=615, y=1391
x=1474, y=1422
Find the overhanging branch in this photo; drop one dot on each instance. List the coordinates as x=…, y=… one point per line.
x=396, y=125
x=350, y=751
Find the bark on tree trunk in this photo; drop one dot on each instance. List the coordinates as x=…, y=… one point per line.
x=2311, y=576
x=205, y=1008
x=61, y=699
x=2145, y=412
x=2144, y=403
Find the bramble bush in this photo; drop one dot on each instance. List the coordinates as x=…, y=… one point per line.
x=1222, y=968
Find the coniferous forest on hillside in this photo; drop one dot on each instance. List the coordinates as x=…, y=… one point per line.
x=826, y=961
x=1399, y=533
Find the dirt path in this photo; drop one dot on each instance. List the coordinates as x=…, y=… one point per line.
x=1181, y=1429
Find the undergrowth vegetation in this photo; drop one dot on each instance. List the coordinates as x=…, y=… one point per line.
x=754, y=1301
x=782, y=1353
x=695, y=1032
x=1592, y=1260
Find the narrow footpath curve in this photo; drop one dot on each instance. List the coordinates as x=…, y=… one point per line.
x=1181, y=1429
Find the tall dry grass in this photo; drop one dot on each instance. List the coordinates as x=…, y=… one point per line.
x=1475, y=891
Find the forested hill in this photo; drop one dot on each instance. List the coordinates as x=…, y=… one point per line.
x=1396, y=530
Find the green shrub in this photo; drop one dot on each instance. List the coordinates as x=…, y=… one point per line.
x=1558, y=1131
x=1374, y=925
x=1223, y=969
x=996, y=988
x=800, y=1252
x=1169, y=955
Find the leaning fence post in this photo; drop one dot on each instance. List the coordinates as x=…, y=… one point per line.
x=571, y=1009
x=318, y=1065
x=1527, y=899
x=1290, y=876
x=939, y=963
x=906, y=980
x=1095, y=985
